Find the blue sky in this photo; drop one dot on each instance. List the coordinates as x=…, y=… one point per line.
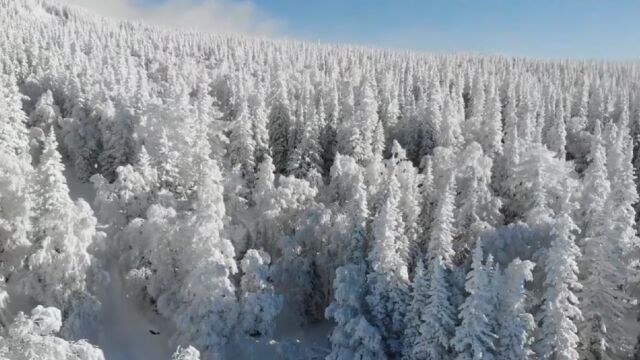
x=607, y=29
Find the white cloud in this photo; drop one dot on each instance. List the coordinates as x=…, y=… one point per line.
x=229, y=16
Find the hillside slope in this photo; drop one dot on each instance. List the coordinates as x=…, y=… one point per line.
x=232, y=197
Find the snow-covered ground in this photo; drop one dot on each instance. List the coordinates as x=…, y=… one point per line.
x=126, y=329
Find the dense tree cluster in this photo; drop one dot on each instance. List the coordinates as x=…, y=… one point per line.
x=430, y=207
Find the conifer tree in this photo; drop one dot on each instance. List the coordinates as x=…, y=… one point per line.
x=242, y=143
x=208, y=307
x=412, y=339
x=353, y=337
x=439, y=317
x=260, y=122
x=16, y=172
x=46, y=113
x=260, y=305
x=516, y=325
x=491, y=127
x=433, y=118
x=279, y=124
x=556, y=136
x=388, y=278
x=475, y=338
x=59, y=259
x=328, y=136
x=608, y=233
x=560, y=312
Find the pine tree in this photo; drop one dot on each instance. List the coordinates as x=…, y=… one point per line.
x=409, y=204
x=353, y=337
x=556, y=136
x=115, y=129
x=46, y=113
x=596, y=187
x=560, y=311
x=279, y=124
x=13, y=133
x=59, y=260
x=260, y=305
x=365, y=119
x=516, y=325
x=609, y=231
x=427, y=204
x=512, y=145
x=475, y=338
x=328, y=137
x=260, y=123
x=347, y=184
x=478, y=207
x=442, y=230
x=208, y=306
x=439, y=317
x=264, y=185
x=306, y=158
x=242, y=143
x=388, y=278
x=415, y=313
x=450, y=130
x=16, y=171
x=433, y=118
x=491, y=127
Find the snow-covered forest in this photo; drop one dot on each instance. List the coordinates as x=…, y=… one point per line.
x=180, y=195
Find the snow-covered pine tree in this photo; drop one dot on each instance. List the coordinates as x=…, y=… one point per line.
x=46, y=113
x=260, y=305
x=208, y=308
x=415, y=310
x=556, y=136
x=432, y=118
x=116, y=128
x=279, y=124
x=260, y=122
x=365, y=119
x=409, y=204
x=328, y=136
x=306, y=158
x=609, y=231
x=388, y=278
x=558, y=338
x=475, y=338
x=516, y=325
x=350, y=194
x=16, y=172
x=439, y=316
x=477, y=207
x=59, y=259
x=242, y=142
x=490, y=136
x=13, y=132
x=353, y=337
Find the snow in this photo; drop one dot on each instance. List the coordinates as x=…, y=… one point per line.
x=126, y=328
x=125, y=331
x=291, y=341
x=176, y=129
x=77, y=188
